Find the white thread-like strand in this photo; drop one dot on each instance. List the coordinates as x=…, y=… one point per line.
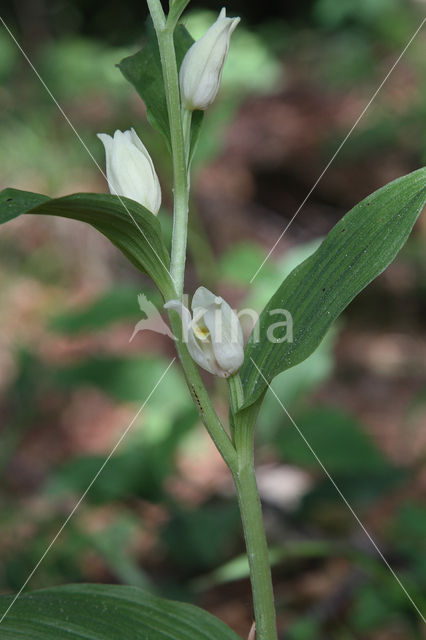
x=95, y=477
x=82, y=142
x=339, y=148
x=339, y=491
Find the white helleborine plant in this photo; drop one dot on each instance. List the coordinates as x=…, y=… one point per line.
x=213, y=333
x=130, y=170
x=201, y=69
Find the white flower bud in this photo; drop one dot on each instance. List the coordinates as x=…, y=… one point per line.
x=201, y=70
x=129, y=169
x=213, y=334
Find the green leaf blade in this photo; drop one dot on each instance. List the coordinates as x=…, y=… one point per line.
x=134, y=230
x=11, y=207
x=106, y=612
x=143, y=71
x=361, y=245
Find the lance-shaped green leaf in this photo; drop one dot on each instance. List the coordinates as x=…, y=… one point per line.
x=143, y=70
x=128, y=225
x=105, y=612
x=357, y=249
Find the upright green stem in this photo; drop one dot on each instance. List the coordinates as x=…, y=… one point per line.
x=254, y=532
x=237, y=453
x=164, y=31
x=201, y=398
x=180, y=122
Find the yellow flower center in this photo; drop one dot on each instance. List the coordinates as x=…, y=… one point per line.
x=202, y=333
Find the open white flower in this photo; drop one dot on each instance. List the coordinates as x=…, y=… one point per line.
x=213, y=333
x=201, y=70
x=130, y=170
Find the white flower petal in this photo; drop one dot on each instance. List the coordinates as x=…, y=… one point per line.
x=213, y=334
x=226, y=336
x=203, y=298
x=130, y=171
x=201, y=70
x=204, y=356
x=183, y=312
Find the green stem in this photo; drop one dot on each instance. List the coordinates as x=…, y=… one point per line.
x=239, y=458
x=254, y=532
x=201, y=398
x=180, y=123
x=164, y=31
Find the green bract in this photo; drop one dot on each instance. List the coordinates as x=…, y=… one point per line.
x=129, y=226
x=356, y=250
x=143, y=70
x=106, y=612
